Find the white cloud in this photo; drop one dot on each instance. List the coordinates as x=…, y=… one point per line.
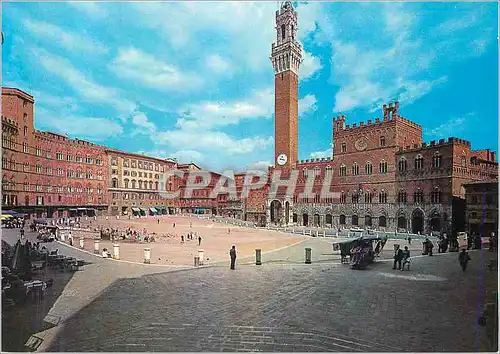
x=321, y=154
x=307, y=104
x=259, y=165
x=94, y=128
x=73, y=42
x=83, y=85
x=310, y=66
x=212, y=141
x=92, y=9
x=218, y=114
x=219, y=64
x=143, y=124
x=142, y=67
x=452, y=127
x=186, y=156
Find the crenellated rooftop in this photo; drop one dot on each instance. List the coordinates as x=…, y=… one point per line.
x=390, y=114
x=434, y=144
x=322, y=159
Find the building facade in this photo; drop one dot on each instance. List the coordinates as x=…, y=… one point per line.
x=134, y=184
x=46, y=174
x=481, y=215
x=381, y=174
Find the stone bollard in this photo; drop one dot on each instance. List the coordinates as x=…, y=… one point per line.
x=147, y=255
x=310, y=232
x=317, y=233
x=200, y=255
x=82, y=240
x=96, y=246
x=324, y=233
x=116, y=251
x=308, y=256
x=258, y=257
x=63, y=236
x=304, y=232
x=196, y=261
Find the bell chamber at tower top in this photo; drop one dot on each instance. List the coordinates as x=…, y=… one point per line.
x=286, y=52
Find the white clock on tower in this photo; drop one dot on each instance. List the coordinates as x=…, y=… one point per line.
x=282, y=159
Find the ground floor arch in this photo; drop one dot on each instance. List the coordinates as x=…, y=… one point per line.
x=276, y=210
x=354, y=220
x=368, y=220
x=417, y=221
x=305, y=219
x=287, y=212
x=329, y=219
x=294, y=217
x=382, y=221
x=435, y=221
x=402, y=222
x=316, y=220
x=342, y=219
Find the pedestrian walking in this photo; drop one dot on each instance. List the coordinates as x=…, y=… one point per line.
x=463, y=259
x=409, y=239
x=190, y=224
x=182, y=238
x=174, y=225
x=232, y=255
x=199, y=240
x=406, y=258
x=229, y=230
x=158, y=221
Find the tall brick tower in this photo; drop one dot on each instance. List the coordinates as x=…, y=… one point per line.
x=286, y=57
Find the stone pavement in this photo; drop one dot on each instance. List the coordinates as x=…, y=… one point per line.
x=292, y=307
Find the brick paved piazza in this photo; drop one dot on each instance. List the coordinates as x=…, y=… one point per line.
x=284, y=307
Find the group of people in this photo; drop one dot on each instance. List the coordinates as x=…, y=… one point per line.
x=401, y=258
x=191, y=236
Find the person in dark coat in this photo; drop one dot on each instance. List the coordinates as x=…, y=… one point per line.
x=199, y=241
x=463, y=259
x=232, y=254
x=398, y=257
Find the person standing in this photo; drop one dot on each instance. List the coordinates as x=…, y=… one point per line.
x=463, y=259
x=406, y=258
x=409, y=239
x=398, y=257
x=158, y=221
x=199, y=240
x=232, y=255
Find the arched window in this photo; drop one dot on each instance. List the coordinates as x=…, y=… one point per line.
x=383, y=167
x=368, y=168
x=355, y=169
x=368, y=197
x=156, y=185
x=436, y=160
x=402, y=165
x=140, y=184
x=402, y=197
x=150, y=184
x=282, y=31
x=343, y=170
x=382, y=141
x=418, y=196
x=463, y=161
x=328, y=170
x=317, y=171
x=436, y=196
x=355, y=198
x=419, y=162
x=382, y=197
x=126, y=181
x=133, y=183
x=304, y=173
x=343, y=198
x=114, y=183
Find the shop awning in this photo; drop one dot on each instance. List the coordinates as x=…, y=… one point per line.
x=82, y=209
x=161, y=208
x=153, y=210
x=73, y=209
x=136, y=209
x=142, y=209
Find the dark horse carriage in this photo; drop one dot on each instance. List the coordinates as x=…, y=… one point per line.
x=361, y=251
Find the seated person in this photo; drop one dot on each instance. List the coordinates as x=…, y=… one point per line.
x=406, y=258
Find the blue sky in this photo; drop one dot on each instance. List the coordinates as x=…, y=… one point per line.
x=194, y=80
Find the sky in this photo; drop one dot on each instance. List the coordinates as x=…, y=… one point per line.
x=193, y=80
